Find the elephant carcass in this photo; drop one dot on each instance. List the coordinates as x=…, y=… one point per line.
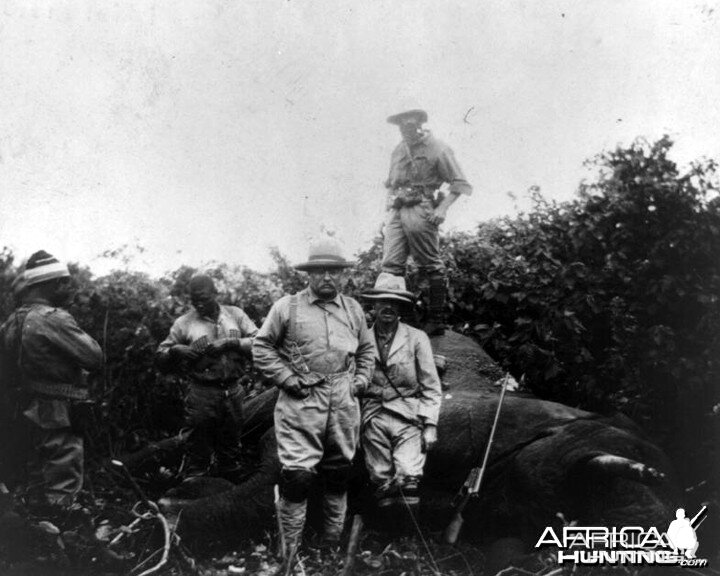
x=547, y=458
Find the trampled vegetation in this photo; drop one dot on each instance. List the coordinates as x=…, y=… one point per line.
x=610, y=302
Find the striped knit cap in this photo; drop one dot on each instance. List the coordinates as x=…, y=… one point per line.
x=40, y=267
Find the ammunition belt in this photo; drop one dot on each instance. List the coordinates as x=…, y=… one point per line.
x=406, y=196
x=68, y=391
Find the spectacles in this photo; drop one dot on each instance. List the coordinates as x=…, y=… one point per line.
x=322, y=272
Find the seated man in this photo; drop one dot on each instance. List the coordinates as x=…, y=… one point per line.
x=401, y=406
x=208, y=344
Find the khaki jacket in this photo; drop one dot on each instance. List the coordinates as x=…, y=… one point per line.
x=330, y=337
x=49, y=350
x=416, y=394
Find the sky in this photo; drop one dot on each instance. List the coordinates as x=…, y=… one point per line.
x=211, y=130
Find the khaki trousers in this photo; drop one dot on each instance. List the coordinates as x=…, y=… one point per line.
x=320, y=430
x=393, y=449
x=408, y=233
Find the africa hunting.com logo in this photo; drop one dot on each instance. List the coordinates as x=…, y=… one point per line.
x=598, y=545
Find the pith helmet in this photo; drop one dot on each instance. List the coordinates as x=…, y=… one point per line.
x=389, y=287
x=325, y=253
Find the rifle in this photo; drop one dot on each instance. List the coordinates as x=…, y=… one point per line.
x=471, y=487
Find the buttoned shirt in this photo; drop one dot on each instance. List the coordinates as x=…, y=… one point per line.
x=193, y=329
x=384, y=341
x=428, y=163
x=49, y=350
x=330, y=335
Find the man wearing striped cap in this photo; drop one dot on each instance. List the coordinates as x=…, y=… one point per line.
x=44, y=357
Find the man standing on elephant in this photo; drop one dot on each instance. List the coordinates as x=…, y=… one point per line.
x=419, y=166
x=402, y=405
x=211, y=344
x=315, y=345
x=45, y=356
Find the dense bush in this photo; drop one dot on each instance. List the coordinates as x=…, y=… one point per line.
x=609, y=301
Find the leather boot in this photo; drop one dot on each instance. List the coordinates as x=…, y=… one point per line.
x=292, y=520
x=435, y=321
x=387, y=495
x=334, y=510
x=409, y=491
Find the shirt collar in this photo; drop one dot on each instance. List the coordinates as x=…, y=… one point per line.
x=314, y=298
x=420, y=141
x=207, y=318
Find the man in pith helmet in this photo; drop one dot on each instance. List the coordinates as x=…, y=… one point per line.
x=419, y=165
x=315, y=345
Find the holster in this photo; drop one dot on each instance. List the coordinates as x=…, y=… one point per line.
x=301, y=369
x=406, y=196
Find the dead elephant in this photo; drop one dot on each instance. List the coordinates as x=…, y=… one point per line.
x=547, y=459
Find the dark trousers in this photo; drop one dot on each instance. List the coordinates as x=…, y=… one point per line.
x=213, y=416
x=55, y=463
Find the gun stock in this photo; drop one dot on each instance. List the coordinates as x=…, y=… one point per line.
x=452, y=531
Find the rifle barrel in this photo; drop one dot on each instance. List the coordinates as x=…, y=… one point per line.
x=486, y=457
x=453, y=530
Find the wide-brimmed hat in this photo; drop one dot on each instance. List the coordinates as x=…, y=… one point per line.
x=40, y=267
x=420, y=115
x=389, y=287
x=325, y=253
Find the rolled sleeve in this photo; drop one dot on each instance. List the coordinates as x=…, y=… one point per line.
x=265, y=349
x=451, y=173
x=248, y=331
x=430, y=391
